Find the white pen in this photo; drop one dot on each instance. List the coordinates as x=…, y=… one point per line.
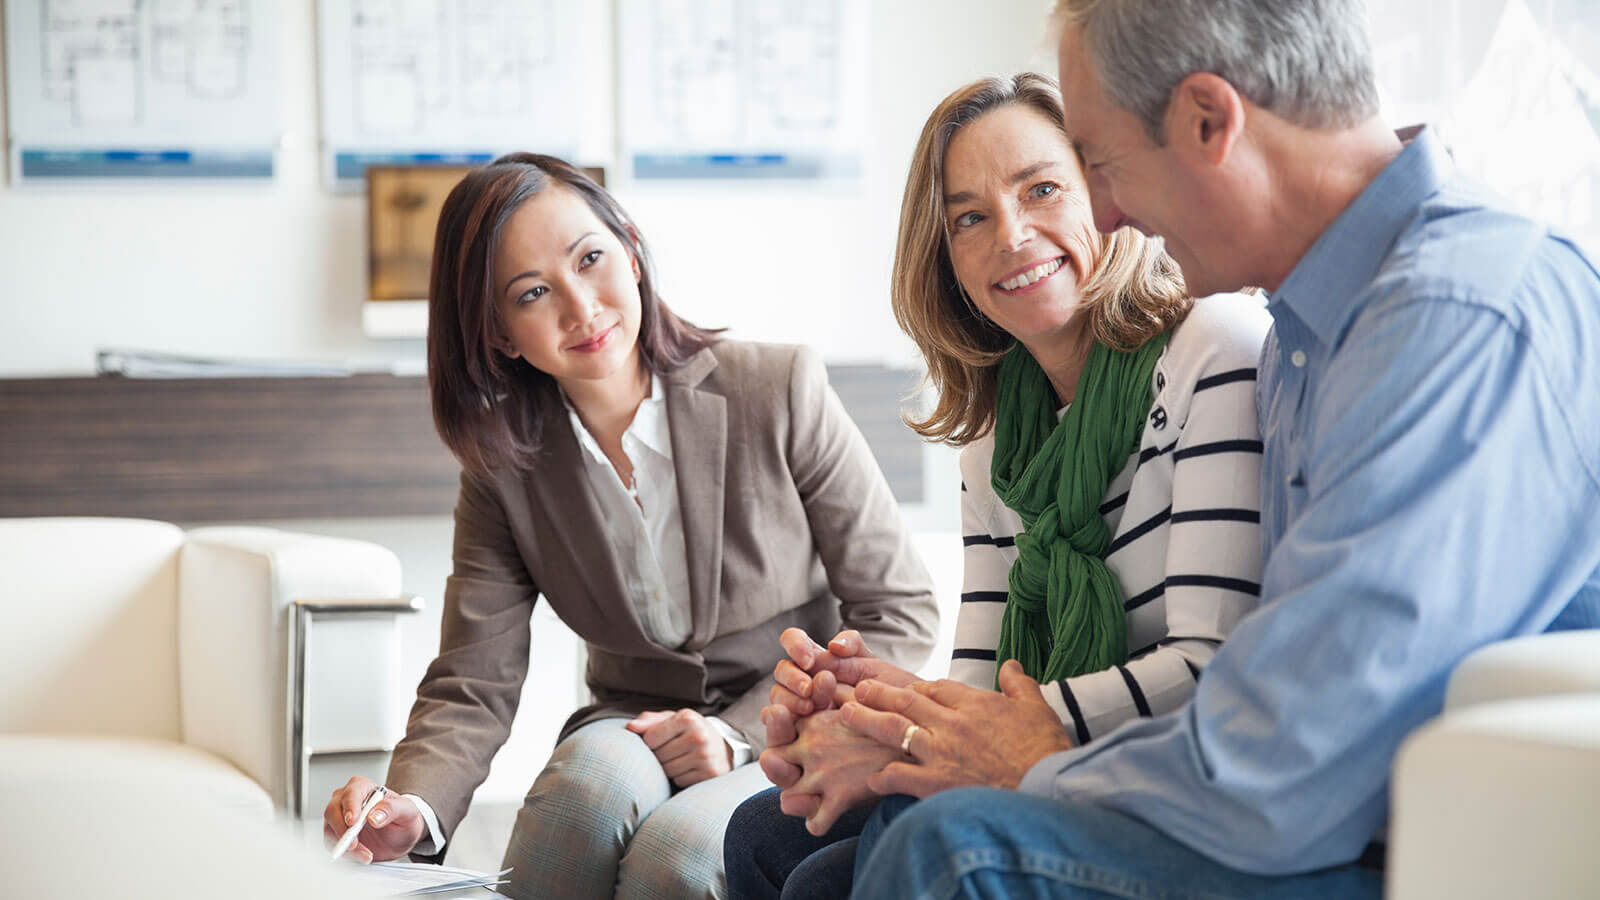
x=349, y=836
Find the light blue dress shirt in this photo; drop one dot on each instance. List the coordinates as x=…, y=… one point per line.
x=1430, y=411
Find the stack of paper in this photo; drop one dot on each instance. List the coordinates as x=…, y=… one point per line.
x=144, y=364
x=400, y=879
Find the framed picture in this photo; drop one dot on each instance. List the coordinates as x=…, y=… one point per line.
x=403, y=204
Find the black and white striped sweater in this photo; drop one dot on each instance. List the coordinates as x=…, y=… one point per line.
x=1184, y=516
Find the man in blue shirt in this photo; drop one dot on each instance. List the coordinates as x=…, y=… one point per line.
x=1430, y=412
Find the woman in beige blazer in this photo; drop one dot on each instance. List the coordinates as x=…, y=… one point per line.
x=677, y=498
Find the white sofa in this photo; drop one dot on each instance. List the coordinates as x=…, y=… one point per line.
x=130, y=640
x=87, y=819
x=1497, y=796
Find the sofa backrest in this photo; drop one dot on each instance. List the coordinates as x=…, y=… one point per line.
x=89, y=643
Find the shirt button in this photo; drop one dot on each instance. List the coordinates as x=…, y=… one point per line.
x=1298, y=358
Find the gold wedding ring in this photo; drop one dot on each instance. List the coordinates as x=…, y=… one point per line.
x=905, y=742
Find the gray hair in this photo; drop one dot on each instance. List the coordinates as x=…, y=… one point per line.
x=1305, y=61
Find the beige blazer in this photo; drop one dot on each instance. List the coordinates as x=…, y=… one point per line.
x=787, y=522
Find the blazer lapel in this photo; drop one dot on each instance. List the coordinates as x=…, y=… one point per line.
x=698, y=422
x=561, y=484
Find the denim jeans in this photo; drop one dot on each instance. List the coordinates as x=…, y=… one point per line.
x=983, y=842
x=769, y=855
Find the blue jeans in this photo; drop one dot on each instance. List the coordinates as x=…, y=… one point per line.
x=769, y=855
x=983, y=842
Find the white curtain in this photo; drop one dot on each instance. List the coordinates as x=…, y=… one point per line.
x=1513, y=87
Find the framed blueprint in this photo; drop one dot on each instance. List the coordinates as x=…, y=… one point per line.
x=134, y=89
x=452, y=82
x=742, y=88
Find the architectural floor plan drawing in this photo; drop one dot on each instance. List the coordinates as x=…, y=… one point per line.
x=201, y=44
x=397, y=60
x=97, y=54
x=725, y=71
x=742, y=88
x=799, y=65
x=694, y=60
x=407, y=80
x=412, y=60
x=90, y=59
x=500, y=50
x=141, y=86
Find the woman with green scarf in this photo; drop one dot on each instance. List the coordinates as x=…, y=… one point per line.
x=1110, y=478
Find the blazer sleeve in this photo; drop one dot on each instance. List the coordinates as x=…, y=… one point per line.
x=469, y=695
x=884, y=590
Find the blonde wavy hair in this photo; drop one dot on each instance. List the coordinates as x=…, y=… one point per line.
x=1133, y=292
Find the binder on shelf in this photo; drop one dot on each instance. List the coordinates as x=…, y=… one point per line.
x=145, y=364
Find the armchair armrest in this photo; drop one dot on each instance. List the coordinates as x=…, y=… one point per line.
x=350, y=712
x=1496, y=801
x=235, y=588
x=1537, y=665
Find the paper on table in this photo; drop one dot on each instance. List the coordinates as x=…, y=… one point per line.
x=394, y=879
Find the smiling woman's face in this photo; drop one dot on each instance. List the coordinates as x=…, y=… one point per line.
x=1020, y=226
x=567, y=290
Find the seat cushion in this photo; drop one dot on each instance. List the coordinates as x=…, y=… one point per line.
x=91, y=644
x=145, y=820
x=34, y=763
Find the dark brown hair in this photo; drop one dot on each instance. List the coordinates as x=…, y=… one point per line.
x=490, y=409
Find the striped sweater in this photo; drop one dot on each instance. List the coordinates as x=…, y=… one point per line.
x=1184, y=516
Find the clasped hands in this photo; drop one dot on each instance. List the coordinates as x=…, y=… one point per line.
x=688, y=746
x=844, y=727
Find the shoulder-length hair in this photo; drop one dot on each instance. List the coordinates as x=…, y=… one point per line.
x=1133, y=293
x=490, y=409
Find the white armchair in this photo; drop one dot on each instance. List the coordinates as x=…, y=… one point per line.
x=1496, y=797
x=130, y=638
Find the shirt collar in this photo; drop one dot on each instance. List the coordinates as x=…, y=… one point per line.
x=1323, y=286
x=650, y=422
x=649, y=425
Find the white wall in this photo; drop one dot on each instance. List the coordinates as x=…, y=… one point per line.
x=277, y=270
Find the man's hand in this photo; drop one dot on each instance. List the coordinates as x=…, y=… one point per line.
x=688, y=746
x=392, y=828
x=965, y=735
x=837, y=762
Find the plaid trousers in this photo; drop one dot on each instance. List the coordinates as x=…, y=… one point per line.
x=603, y=820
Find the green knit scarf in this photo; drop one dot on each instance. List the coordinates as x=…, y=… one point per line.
x=1064, y=614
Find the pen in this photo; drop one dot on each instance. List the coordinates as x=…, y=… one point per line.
x=349, y=836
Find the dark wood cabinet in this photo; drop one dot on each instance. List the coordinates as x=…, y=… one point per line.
x=197, y=450
x=229, y=449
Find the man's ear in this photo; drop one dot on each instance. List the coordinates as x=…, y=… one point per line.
x=1205, y=118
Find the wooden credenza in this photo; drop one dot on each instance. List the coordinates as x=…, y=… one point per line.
x=231, y=449
x=214, y=449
